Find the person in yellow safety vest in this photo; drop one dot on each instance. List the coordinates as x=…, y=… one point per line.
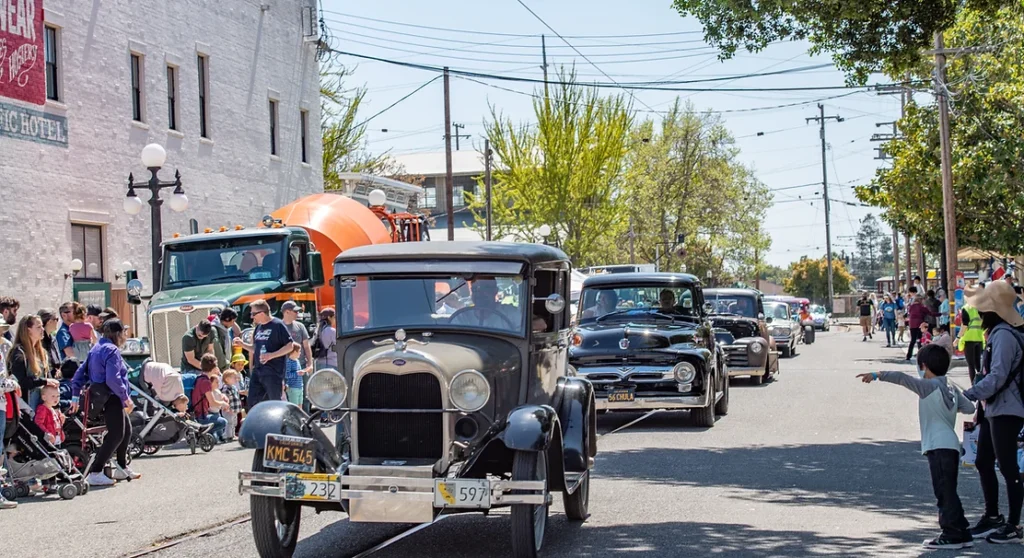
x=972, y=339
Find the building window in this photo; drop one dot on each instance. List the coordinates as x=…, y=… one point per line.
x=172, y=98
x=459, y=196
x=52, y=48
x=137, y=112
x=304, y=130
x=204, y=93
x=87, y=245
x=429, y=197
x=273, y=127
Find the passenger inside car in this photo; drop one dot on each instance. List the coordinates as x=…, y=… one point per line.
x=486, y=310
x=606, y=304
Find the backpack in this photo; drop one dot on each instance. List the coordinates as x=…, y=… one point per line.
x=1016, y=377
x=320, y=351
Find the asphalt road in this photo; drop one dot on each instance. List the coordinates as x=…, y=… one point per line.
x=813, y=464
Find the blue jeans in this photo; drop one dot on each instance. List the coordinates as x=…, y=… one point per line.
x=889, y=325
x=264, y=387
x=219, y=424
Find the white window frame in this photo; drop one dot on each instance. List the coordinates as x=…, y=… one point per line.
x=203, y=74
x=141, y=77
x=58, y=63
x=274, y=119
x=304, y=135
x=173, y=75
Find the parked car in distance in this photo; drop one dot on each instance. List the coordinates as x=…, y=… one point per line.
x=443, y=405
x=821, y=316
x=645, y=341
x=739, y=321
x=783, y=327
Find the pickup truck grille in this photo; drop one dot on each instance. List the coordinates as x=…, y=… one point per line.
x=400, y=435
x=736, y=356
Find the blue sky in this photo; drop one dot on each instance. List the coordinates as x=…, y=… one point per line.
x=786, y=157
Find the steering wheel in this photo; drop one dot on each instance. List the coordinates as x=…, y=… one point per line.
x=480, y=317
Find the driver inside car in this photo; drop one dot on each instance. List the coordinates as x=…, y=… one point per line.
x=667, y=300
x=606, y=303
x=486, y=311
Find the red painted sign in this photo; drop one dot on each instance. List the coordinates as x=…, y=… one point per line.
x=22, y=60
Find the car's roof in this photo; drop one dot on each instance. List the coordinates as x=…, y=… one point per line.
x=732, y=291
x=457, y=250
x=233, y=234
x=640, y=278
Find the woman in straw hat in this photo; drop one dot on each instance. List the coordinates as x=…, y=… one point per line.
x=1000, y=388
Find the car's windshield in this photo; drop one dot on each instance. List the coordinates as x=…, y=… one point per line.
x=636, y=303
x=223, y=261
x=818, y=310
x=778, y=311
x=485, y=302
x=738, y=304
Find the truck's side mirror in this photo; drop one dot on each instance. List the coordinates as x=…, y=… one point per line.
x=133, y=287
x=314, y=262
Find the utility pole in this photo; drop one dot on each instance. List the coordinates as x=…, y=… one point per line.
x=920, y=264
x=487, y=183
x=896, y=259
x=448, y=186
x=824, y=182
x=457, y=135
x=948, y=201
x=757, y=272
x=632, y=244
x=906, y=245
x=544, y=66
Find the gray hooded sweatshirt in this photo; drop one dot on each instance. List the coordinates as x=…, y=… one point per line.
x=937, y=408
x=1005, y=344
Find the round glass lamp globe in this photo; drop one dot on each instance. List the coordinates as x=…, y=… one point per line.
x=153, y=155
x=545, y=230
x=179, y=202
x=377, y=197
x=76, y=265
x=132, y=205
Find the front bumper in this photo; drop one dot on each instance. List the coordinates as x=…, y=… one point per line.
x=654, y=402
x=393, y=499
x=783, y=340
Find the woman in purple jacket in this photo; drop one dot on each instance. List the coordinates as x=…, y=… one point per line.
x=106, y=373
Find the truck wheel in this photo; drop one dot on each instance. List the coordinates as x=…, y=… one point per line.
x=705, y=416
x=758, y=380
x=529, y=521
x=275, y=521
x=786, y=352
x=722, y=407
x=577, y=504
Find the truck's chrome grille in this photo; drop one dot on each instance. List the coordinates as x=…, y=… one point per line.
x=168, y=325
x=400, y=435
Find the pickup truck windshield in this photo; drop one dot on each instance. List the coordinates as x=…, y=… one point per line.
x=738, y=305
x=234, y=260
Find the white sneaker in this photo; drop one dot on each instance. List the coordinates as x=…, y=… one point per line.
x=7, y=504
x=125, y=474
x=99, y=479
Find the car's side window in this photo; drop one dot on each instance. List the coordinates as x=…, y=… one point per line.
x=547, y=282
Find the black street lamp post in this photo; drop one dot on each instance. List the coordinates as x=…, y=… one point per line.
x=153, y=157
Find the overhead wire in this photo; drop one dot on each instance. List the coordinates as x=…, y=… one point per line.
x=394, y=104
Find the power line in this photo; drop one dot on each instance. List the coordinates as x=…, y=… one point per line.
x=498, y=34
x=614, y=85
x=392, y=105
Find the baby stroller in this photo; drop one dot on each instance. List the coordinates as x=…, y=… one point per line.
x=36, y=458
x=154, y=423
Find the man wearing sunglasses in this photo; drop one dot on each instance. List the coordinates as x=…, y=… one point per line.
x=271, y=345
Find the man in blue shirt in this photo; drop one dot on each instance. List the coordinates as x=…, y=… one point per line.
x=271, y=345
x=65, y=344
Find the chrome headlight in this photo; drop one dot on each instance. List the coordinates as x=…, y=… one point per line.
x=756, y=347
x=132, y=347
x=685, y=372
x=327, y=389
x=469, y=391
x=570, y=370
x=781, y=331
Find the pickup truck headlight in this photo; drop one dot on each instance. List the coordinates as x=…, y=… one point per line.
x=327, y=389
x=781, y=331
x=685, y=372
x=469, y=391
x=756, y=348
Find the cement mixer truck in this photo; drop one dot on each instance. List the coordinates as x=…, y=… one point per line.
x=285, y=257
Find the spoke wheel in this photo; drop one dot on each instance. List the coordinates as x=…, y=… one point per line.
x=275, y=521
x=529, y=521
x=577, y=504
x=135, y=447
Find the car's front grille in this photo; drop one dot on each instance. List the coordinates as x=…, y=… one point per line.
x=736, y=356
x=168, y=325
x=400, y=435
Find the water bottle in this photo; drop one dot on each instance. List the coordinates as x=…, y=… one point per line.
x=263, y=351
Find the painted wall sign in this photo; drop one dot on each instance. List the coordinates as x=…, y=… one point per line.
x=22, y=63
x=33, y=125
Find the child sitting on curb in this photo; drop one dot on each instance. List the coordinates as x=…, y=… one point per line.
x=939, y=401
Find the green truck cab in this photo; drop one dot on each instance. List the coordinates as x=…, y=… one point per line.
x=210, y=271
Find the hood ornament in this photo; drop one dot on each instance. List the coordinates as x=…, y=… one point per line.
x=400, y=340
x=624, y=342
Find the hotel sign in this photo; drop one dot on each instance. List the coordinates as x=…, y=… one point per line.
x=32, y=125
x=22, y=61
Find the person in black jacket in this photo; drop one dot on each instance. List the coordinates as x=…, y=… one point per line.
x=51, y=323
x=27, y=360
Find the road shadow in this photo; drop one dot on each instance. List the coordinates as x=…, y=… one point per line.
x=885, y=477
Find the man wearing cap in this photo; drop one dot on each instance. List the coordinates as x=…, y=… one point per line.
x=1000, y=388
x=198, y=341
x=92, y=317
x=289, y=315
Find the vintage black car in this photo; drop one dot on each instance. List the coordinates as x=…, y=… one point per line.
x=739, y=320
x=645, y=341
x=453, y=396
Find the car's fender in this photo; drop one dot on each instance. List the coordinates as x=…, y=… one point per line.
x=530, y=428
x=578, y=418
x=281, y=417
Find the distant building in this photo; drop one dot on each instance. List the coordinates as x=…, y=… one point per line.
x=467, y=166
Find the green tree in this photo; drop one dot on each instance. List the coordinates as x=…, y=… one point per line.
x=774, y=274
x=809, y=279
x=863, y=36
x=565, y=171
x=874, y=252
x=683, y=179
x=987, y=95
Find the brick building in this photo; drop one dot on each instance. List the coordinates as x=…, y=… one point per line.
x=230, y=89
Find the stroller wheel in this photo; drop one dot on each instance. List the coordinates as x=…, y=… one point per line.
x=82, y=486
x=9, y=493
x=67, y=491
x=135, y=447
x=192, y=442
x=207, y=442
x=21, y=489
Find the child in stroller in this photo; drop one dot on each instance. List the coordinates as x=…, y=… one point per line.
x=30, y=456
x=154, y=423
